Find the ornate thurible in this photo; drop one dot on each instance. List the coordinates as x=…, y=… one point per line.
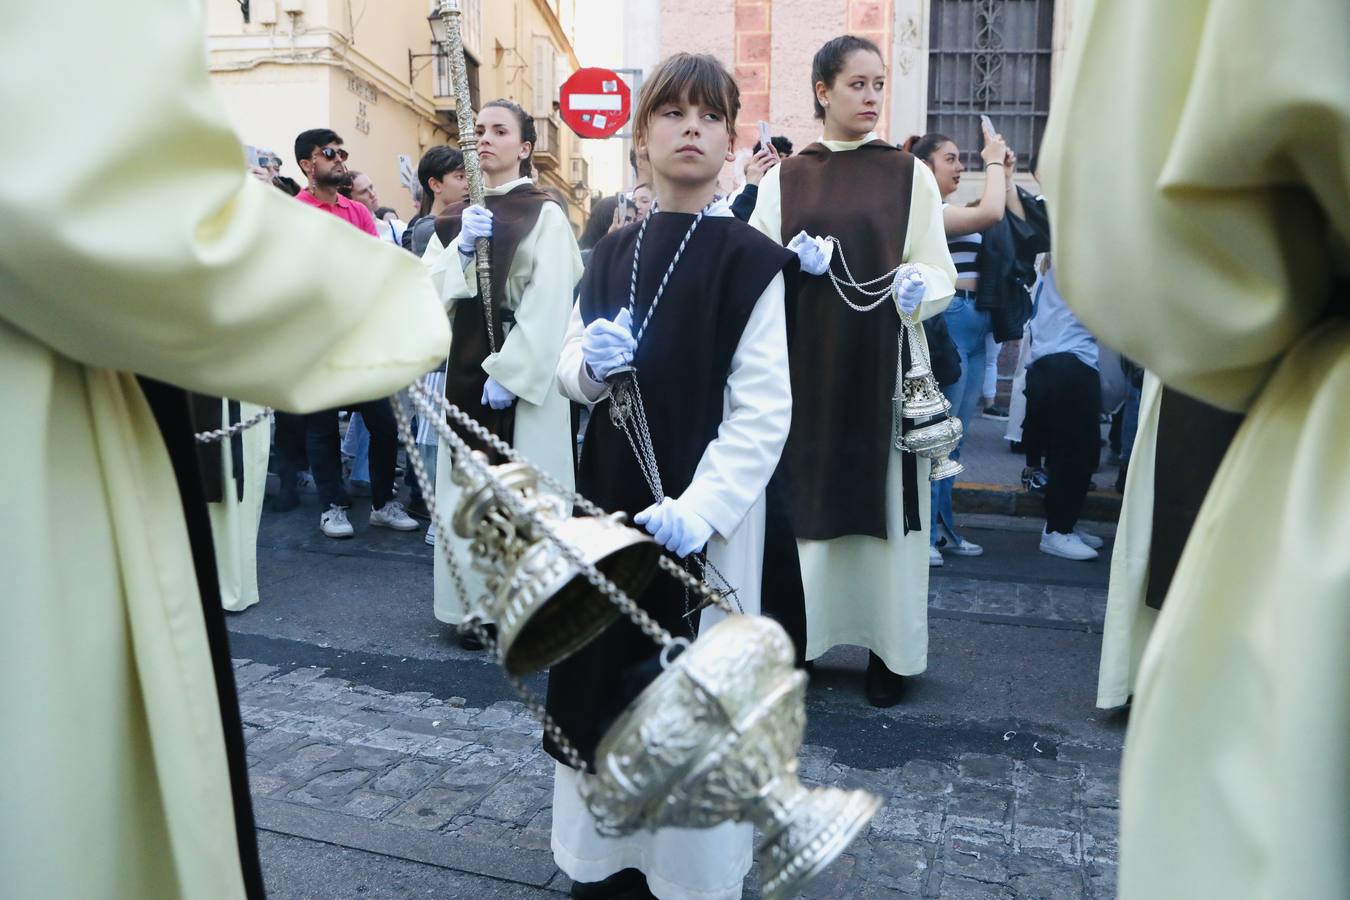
x=921, y=398
x=544, y=607
x=714, y=739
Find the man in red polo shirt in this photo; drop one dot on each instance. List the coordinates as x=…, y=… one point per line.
x=321, y=157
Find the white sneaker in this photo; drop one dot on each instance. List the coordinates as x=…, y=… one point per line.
x=1089, y=538
x=949, y=543
x=935, y=559
x=1066, y=546
x=392, y=515
x=431, y=534
x=304, y=483
x=334, y=523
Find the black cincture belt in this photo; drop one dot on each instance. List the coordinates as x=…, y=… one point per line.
x=909, y=462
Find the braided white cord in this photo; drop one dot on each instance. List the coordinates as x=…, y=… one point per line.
x=637, y=252
x=220, y=434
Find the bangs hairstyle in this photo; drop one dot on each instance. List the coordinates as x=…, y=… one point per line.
x=689, y=78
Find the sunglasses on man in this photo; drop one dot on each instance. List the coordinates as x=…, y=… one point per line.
x=332, y=153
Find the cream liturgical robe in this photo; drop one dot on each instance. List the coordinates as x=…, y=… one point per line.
x=1129, y=620
x=140, y=244
x=544, y=272
x=1198, y=170
x=864, y=590
x=234, y=522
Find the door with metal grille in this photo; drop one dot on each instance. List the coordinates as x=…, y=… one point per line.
x=991, y=57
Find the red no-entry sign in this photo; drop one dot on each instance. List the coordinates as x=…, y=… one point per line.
x=595, y=102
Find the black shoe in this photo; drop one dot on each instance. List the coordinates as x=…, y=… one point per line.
x=285, y=500
x=468, y=640
x=630, y=883
x=883, y=687
x=996, y=412
x=1035, y=480
x=418, y=510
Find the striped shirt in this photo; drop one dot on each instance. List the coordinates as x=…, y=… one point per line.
x=965, y=251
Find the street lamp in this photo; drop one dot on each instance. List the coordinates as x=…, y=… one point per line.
x=438, y=30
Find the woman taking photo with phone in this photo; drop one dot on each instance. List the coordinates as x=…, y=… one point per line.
x=966, y=322
x=857, y=503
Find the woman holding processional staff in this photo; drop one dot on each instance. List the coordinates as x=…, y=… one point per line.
x=501, y=371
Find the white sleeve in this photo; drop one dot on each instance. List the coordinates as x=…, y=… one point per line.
x=527, y=361
x=926, y=244
x=574, y=382
x=736, y=466
x=768, y=213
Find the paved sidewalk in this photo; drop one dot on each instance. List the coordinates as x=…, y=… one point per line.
x=407, y=777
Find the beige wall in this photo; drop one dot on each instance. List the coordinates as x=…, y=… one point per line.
x=794, y=46
x=698, y=26
x=797, y=29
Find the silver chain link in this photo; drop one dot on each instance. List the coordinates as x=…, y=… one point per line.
x=463, y=458
x=863, y=287
x=474, y=622
x=220, y=434
x=582, y=502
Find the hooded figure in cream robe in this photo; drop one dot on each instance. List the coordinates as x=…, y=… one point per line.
x=118, y=724
x=1213, y=246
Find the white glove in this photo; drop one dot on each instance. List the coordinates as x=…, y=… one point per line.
x=496, y=396
x=675, y=528
x=814, y=253
x=909, y=289
x=606, y=345
x=475, y=223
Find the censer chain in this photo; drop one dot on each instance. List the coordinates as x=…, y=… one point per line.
x=463, y=457
x=220, y=434
x=474, y=622
x=470, y=424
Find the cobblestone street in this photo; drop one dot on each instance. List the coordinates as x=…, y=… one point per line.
x=387, y=763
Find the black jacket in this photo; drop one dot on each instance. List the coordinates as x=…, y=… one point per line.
x=744, y=204
x=942, y=352
x=1007, y=267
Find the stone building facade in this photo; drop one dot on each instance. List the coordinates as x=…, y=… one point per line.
x=947, y=60
x=371, y=72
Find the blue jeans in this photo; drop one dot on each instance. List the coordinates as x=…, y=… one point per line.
x=968, y=327
x=356, y=444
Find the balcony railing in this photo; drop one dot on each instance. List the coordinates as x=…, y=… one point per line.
x=580, y=172
x=444, y=84
x=548, y=146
